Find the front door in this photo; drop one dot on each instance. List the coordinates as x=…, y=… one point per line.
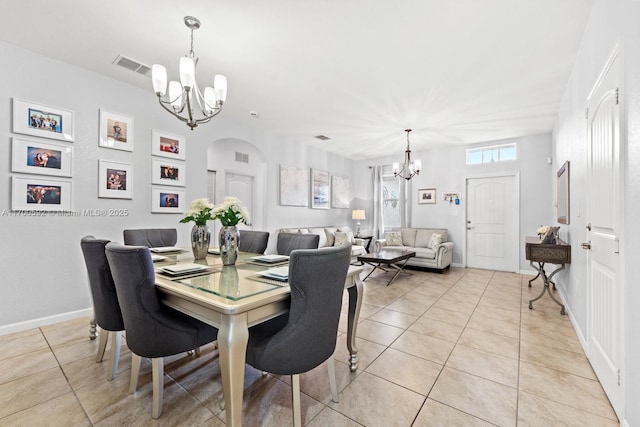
x=492, y=223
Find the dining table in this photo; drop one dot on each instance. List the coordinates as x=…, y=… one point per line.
x=233, y=299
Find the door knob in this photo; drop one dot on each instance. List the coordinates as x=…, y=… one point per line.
x=469, y=228
x=586, y=245
x=589, y=226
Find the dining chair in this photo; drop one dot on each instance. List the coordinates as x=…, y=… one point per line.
x=305, y=337
x=253, y=241
x=288, y=242
x=151, y=237
x=153, y=329
x=105, y=300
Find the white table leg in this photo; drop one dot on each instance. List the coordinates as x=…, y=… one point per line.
x=232, y=344
x=355, y=302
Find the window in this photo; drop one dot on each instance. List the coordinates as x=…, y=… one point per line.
x=391, y=202
x=495, y=153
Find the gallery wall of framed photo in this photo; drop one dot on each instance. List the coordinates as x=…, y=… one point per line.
x=168, y=172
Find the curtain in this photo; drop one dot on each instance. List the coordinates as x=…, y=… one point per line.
x=376, y=181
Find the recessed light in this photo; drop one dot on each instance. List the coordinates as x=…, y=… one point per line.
x=254, y=114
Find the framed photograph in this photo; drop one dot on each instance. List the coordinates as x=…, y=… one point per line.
x=116, y=131
x=339, y=192
x=426, y=196
x=320, y=190
x=40, y=194
x=34, y=119
x=166, y=172
x=115, y=180
x=168, y=200
x=41, y=158
x=294, y=186
x=168, y=145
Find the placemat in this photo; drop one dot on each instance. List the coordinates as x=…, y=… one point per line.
x=189, y=274
x=267, y=264
x=259, y=278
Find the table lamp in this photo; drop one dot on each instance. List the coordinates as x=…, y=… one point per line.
x=358, y=214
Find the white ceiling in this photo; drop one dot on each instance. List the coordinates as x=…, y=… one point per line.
x=358, y=71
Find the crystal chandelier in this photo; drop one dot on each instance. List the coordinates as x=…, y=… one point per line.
x=185, y=101
x=409, y=168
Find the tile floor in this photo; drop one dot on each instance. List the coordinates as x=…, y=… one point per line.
x=454, y=349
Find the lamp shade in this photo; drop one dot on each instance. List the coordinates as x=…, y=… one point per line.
x=358, y=214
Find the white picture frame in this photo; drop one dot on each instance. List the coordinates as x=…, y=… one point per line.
x=165, y=144
x=294, y=186
x=320, y=189
x=160, y=197
x=30, y=118
x=38, y=193
x=340, y=194
x=41, y=158
x=115, y=180
x=116, y=131
x=166, y=172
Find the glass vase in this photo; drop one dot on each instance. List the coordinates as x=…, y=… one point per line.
x=200, y=238
x=228, y=239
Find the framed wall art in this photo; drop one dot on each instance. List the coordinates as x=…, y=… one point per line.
x=167, y=200
x=168, y=145
x=339, y=192
x=115, y=180
x=34, y=119
x=40, y=194
x=294, y=186
x=116, y=131
x=166, y=172
x=41, y=158
x=426, y=196
x=320, y=190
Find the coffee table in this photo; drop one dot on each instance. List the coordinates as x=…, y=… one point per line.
x=387, y=258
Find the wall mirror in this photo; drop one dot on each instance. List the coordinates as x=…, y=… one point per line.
x=563, y=194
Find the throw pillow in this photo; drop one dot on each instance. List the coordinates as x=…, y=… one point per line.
x=436, y=239
x=342, y=238
x=393, y=238
x=330, y=234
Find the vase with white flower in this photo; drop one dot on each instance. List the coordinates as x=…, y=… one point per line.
x=230, y=212
x=199, y=212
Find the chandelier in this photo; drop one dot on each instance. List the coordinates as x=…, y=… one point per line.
x=184, y=100
x=409, y=168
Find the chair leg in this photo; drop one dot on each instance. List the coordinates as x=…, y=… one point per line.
x=102, y=344
x=197, y=351
x=135, y=371
x=114, y=355
x=331, y=364
x=295, y=390
x=157, y=371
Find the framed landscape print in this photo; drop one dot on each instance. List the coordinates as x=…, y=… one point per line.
x=168, y=145
x=41, y=158
x=116, y=131
x=40, y=194
x=115, y=180
x=166, y=172
x=294, y=186
x=339, y=192
x=427, y=196
x=320, y=190
x=34, y=119
x=167, y=200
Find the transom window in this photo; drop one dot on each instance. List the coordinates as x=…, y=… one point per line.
x=494, y=153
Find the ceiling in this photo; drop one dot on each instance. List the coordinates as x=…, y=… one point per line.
x=357, y=71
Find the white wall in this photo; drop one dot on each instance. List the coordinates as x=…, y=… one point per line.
x=610, y=20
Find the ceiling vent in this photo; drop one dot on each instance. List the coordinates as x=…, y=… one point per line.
x=132, y=65
x=322, y=137
x=242, y=157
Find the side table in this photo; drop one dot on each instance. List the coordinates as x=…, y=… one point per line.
x=541, y=253
x=367, y=241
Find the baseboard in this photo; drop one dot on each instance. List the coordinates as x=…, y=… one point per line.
x=44, y=321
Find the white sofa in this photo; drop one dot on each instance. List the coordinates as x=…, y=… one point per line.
x=327, y=237
x=418, y=240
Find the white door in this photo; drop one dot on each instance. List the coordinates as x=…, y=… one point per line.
x=240, y=186
x=604, y=189
x=492, y=223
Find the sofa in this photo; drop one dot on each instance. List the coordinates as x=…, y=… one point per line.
x=431, y=245
x=328, y=237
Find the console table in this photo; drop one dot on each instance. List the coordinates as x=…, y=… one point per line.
x=544, y=253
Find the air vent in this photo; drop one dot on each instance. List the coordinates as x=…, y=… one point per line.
x=132, y=65
x=242, y=157
x=322, y=137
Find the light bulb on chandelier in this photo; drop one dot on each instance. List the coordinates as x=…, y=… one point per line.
x=184, y=96
x=409, y=168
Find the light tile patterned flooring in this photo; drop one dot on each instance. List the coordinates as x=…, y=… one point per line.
x=454, y=349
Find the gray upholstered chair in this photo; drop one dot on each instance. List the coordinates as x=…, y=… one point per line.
x=288, y=242
x=151, y=237
x=253, y=241
x=105, y=300
x=153, y=330
x=305, y=337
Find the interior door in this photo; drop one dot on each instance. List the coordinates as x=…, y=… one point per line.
x=492, y=223
x=604, y=190
x=240, y=186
